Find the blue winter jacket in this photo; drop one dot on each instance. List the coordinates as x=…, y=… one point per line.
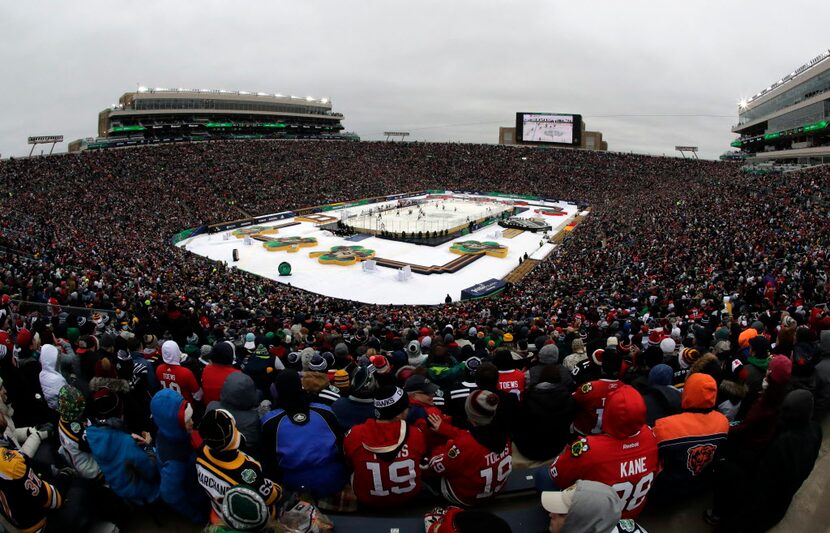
x=130, y=472
x=308, y=449
x=179, y=486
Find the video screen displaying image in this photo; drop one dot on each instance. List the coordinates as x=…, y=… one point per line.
x=548, y=128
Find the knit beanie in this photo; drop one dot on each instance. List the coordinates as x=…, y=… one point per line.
x=480, y=407
x=667, y=346
x=472, y=364
x=341, y=350
x=549, y=354
x=688, y=356
x=780, y=369
x=218, y=430
x=243, y=509
x=381, y=364
x=660, y=375
x=341, y=379
x=390, y=401
x=71, y=403
x=317, y=363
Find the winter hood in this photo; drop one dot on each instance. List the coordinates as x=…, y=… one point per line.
x=51, y=380
x=239, y=392
x=797, y=409
x=49, y=358
x=625, y=412
x=168, y=409
x=170, y=353
x=700, y=392
x=385, y=437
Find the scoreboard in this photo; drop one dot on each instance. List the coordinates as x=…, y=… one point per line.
x=548, y=128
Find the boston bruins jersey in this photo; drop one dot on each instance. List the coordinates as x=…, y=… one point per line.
x=217, y=476
x=24, y=497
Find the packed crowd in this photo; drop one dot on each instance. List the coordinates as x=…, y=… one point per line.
x=678, y=340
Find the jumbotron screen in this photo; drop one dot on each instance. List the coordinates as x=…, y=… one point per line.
x=549, y=128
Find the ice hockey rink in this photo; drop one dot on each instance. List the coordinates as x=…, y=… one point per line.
x=383, y=285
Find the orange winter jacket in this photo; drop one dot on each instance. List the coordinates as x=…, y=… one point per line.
x=690, y=441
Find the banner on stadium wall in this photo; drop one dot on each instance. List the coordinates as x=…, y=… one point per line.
x=234, y=224
x=484, y=289
x=515, y=196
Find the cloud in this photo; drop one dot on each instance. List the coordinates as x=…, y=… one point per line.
x=446, y=71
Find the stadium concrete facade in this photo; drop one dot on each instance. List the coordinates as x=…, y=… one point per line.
x=789, y=121
x=149, y=116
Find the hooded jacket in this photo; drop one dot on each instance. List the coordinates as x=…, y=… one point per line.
x=240, y=397
x=691, y=441
x=51, y=380
x=784, y=466
x=624, y=455
x=177, y=459
x=131, y=471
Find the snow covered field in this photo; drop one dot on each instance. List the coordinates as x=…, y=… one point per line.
x=382, y=286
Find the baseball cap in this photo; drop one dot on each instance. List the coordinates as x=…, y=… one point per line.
x=419, y=383
x=558, y=502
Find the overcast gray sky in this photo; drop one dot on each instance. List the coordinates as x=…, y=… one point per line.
x=447, y=70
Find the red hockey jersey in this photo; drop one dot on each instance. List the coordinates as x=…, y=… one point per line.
x=590, y=399
x=386, y=457
x=471, y=473
x=512, y=381
x=181, y=380
x=625, y=457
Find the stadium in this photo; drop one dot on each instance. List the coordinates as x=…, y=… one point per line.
x=162, y=115
x=225, y=313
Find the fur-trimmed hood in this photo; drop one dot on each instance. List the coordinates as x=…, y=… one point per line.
x=113, y=384
x=732, y=390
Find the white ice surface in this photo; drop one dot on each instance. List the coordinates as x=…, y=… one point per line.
x=381, y=286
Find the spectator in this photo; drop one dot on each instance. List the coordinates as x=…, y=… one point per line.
x=215, y=374
x=305, y=440
x=128, y=462
x=691, y=442
x=661, y=398
x=545, y=417
x=624, y=456
x=587, y=507
x=51, y=380
x=755, y=500
x=474, y=465
x=385, y=453
x=240, y=398
x=27, y=499
x=590, y=397
x=179, y=488
x=359, y=405
x=172, y=375
x=220, y=465
x=72, y=428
